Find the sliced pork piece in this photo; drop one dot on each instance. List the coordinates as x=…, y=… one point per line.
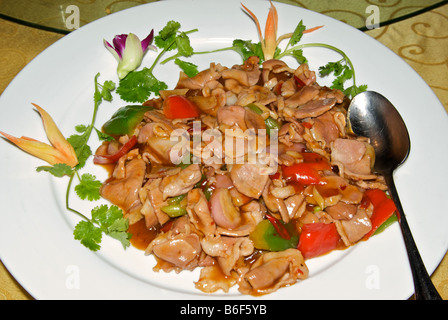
x=352, y=154
x=181, y=250
x=247, y=74
x=249, y=179
x=212, y=279
x=325, y=130
x=232, y=116
x=341, y=210
x=227, y=250
x=154, y=202
x=199, y=212
x=305, y=75
x=182, y=182
x=274, y=270
x=314, y=108
x=290, y=134
x=255, y=94
x=304, y=95
x=242, y=77
x=124, y=192
x=199, y=80
x=254, y=121
x=354, y=229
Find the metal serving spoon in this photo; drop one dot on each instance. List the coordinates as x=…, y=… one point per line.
x=373, y=116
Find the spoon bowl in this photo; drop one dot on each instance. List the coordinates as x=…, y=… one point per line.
x=372, y=116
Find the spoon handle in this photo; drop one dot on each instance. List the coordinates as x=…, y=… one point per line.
x=424, y=288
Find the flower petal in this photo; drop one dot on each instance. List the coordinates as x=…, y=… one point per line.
x=254, y=17
x=148, y=40
x=132, y=56
x=119, y=42
x=111, y=50
x=270, y=33
x=57, y=139
x=36, y=148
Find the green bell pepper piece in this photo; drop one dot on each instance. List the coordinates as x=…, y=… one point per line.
x=176, y=206
x=125, y=119
x=174, y=210
x=386, y=224
x=265, y=237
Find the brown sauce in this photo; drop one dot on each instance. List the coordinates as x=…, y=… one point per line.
x=141, y=235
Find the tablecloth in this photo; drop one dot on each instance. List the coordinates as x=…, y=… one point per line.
x=422, y=41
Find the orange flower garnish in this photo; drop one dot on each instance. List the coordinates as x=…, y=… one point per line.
x=60, y=150
x=270, y=41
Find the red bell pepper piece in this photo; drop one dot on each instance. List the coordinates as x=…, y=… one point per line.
x=179, y=107
x=383, y=208
x=317, y=239
x=108, y=159
x=302, y=173
x=316, y=161
x=306, y=172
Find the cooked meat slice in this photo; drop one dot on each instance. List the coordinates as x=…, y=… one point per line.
x=304, y=74
x=199, y=212
x=155, y=198
x=125, y=192
x=199, y=80
x=254, y=121
x=304, y=95
x=325, y=129
x=182, y=250
x=247, y=74
x=227, y=250
x=182, y=182
x=352, y=154
x=232, y=116
x=354, y=229
x=314, y=108
x=341, y=210
x=274, y=270
x=249, y=179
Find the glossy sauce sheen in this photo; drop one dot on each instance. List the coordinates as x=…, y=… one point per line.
x=141, y=235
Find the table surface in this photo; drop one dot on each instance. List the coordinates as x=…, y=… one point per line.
x=415, y=30
x=53, y=15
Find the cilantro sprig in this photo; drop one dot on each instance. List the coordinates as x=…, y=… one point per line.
x=342, y=69
x=104, y=219
x=80, y=141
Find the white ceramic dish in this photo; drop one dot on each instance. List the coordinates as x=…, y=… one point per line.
x=36, y=241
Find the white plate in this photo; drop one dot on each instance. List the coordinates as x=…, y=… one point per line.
x=36, y=241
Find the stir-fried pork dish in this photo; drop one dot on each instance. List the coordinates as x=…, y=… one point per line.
x=250, y=224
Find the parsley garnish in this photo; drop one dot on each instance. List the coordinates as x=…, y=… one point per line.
x=88, y=187
x=80, y=141
x=104, y=219
x=137, y=86
x=189, y=68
